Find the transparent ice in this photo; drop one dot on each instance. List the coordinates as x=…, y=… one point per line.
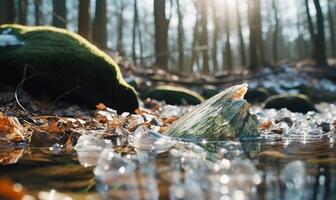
x=115, y=177
x=293, y=176
x=88, y=149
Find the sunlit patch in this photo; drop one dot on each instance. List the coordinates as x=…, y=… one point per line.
x=239, y=94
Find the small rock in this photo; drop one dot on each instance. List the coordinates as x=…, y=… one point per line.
x=293, y=102
x=257, y=95
x=175, y=95
x=287, y=120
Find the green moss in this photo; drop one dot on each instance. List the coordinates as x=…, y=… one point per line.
x=293, y=102
x=61, y=61
x=175, y=95
x=257, y=95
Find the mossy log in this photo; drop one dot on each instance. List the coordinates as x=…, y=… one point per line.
x=224, y=116
x=293, y=102
x=175, y=95
x=60, y=63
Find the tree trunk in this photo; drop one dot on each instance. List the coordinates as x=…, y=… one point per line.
x=254, y=59
x=320, y=53
x=227, y=51
x=7, y=11
x=161, y=33
x=194, y=52
x=22, y=8
x=134, y=30
x=204, y=36
x=84, y=19
x=180, y=31
x=59, y=13
x=120, y=28
x=38, y=12
x=259, y=33
x=99, y=33
x=331, y=29
x=240, y=35
x=310, y=22
x=275, y=36
x=215, y=36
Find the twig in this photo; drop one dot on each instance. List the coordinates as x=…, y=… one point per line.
x=64, y=94
x=20, y=85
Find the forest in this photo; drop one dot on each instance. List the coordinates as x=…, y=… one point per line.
x=193, y=35
x=167, y=99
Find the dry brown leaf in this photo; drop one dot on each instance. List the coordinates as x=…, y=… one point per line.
x=101, y=106
x=11, y=129
x=10, y=191
x=265, y=125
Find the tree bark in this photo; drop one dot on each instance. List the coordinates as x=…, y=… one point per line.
x=180, y=31
x=99, y=33
x=275, y=34
x=7, y=11
x=227, y=51
x=59, y=13
x=38, y=12
x=204, y=36
x=84, y=19
x=22, y=8
x=331, y=28
x=253, y=51
x=215, y=36
x=194, y=53
x=161, y=33
x=320, y=53
x=240, y=35
x=120, y=28
x=134, y=30
x=259, y=33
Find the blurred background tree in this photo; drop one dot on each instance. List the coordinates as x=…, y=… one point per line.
x=193, y=36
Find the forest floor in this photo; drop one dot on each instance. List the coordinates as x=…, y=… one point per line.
x=29, y=122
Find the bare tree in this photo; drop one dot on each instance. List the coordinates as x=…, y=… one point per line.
x=254, y=59
x=317, y=37
x=331, y=28
x=161, y=33
x=320, y=53
x=180, y=35
x=99, y=33
x=38, y=12
x=275, y=34
x=215, y=35
x=227, y=54
x=195, y=40
x=240, y=35
x=59, y=13
x=84, y=19
x=204, y=36
x=120, y=26
x=134, y=30
x=7, y=11
x=22, y=8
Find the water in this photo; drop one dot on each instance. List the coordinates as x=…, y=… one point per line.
x=297, y=164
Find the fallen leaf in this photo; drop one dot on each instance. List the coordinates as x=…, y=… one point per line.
x=10, y=191
x=10, y=129
x=101, y=106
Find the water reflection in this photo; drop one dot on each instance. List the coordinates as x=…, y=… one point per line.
x=232, y=170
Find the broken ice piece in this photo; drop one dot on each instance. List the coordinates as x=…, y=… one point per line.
x=115, y=177
x=293, y=176
x=88, y=149
x=151, y=141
